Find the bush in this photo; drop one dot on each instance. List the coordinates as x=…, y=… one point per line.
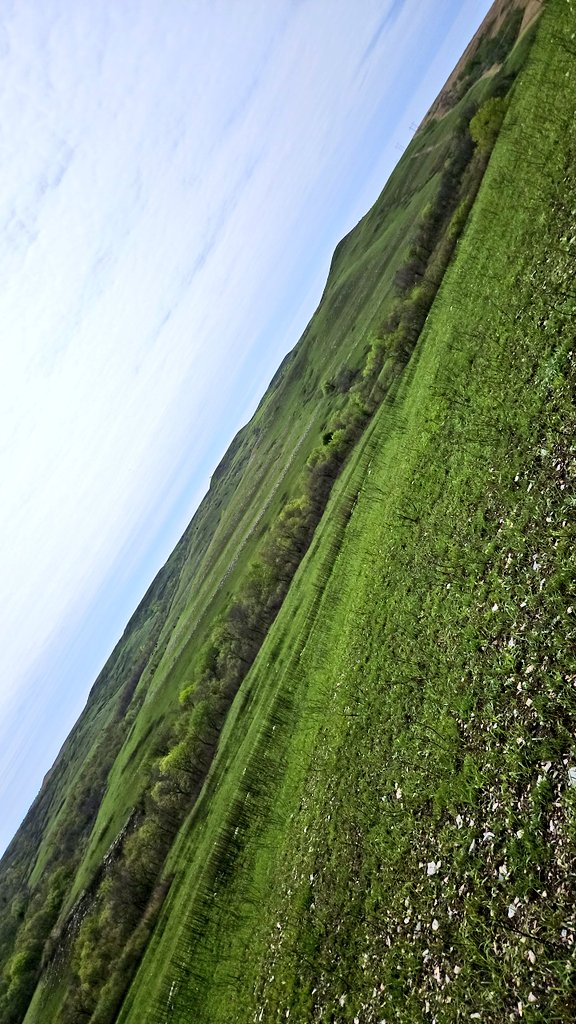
x=486, y=124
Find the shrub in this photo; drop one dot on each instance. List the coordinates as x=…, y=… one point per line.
x=486, y=124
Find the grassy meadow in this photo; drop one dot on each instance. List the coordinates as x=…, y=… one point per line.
x=372, y=818
x=262, y=470
x=388, y=830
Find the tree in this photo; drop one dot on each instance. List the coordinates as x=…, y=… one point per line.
x=486, y=124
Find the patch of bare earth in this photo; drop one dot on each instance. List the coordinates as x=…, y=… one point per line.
x=489, y=27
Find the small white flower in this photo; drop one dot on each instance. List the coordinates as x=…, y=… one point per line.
x=531, y=997
x=435, y=925
x=512, y=909
x=432, y=867
x=531, y=956
x=572, y=776
x=494, y=607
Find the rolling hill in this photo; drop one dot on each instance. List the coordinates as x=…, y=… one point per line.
x=311, y=780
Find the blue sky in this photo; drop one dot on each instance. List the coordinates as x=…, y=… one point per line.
x=175, y=176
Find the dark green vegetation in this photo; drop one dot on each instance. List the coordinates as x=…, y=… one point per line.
x=492, y=50
x=386, y=830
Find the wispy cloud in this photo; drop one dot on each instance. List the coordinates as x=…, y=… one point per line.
x=384, y=25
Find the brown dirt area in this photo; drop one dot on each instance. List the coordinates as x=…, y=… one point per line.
x=496, y=15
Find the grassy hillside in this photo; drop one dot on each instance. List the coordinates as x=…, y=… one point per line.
x=65, y=879
x=388, y=832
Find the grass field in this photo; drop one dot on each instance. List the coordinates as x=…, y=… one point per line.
x=261, y=471
x=388, y=830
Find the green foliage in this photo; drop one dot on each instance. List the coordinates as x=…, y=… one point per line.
x=21, y=971
x=374, y=359
x=492, y=49
x=186, y=695
x=91, y=960
x=485, y=125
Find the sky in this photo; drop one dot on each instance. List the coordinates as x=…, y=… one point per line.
x=174, y=177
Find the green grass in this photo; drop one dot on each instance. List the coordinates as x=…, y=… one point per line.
x=388, y=830
x=245, y=495
x=326, y=690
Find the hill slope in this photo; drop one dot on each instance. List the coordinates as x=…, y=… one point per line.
x=388, y=832
x=79, y=838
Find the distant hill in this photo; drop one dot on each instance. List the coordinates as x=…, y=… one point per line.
x=504, y=15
